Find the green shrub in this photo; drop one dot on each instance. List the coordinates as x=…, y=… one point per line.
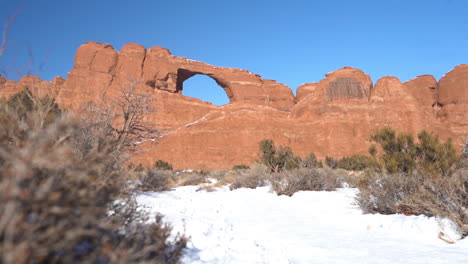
x=402, y=154
x=137, y=168
x=399, y=150
x=331, y=162
x=311, y=161
x=356, y=163
x=419, y=178
x=162, y=165
x=277, y=159
x=435, y=158
x=267, y=153
x=240, y=167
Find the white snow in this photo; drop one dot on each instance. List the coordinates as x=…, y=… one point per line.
x=257, y=226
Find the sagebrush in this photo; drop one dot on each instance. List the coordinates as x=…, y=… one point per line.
x=418, y=177
x=64, y=195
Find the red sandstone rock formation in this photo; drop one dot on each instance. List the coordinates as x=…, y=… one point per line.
x=452, y=99
x=99, y=69
x=305, y=90
x=423, y=88
x=453, y=87
x=333, y=117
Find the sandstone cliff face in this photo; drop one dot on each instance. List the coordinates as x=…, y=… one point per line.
x=452, y=100
x=453, y=87
x=332, y=117
x=423, y=88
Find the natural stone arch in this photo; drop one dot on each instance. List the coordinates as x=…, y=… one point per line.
x=184, y=74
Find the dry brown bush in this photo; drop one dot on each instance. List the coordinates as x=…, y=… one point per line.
x=156, y=180
x=303, y=179
x=193, y=179
x=63, y=198
x=417, y=194
x=252, y=178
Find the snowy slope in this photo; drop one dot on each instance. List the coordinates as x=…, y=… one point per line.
x=257, y=226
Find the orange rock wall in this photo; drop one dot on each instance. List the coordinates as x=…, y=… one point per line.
x=332, y=117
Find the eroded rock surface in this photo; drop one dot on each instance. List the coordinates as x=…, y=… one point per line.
x=423, y=88
x=333, y=117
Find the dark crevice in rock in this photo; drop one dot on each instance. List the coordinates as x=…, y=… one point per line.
x=143, y=64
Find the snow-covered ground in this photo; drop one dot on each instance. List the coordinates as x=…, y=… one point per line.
x=257, y=226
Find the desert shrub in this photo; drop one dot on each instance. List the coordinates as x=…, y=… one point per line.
x=416, y=193
x=433, y=157
x=356, y=163
x=399, y=150
x=311, y=161
x=240, y=167
x=64, y=195
x=419, y=178
x=24, y=112
x=55, y=204
x=277, y=159
x=331, y=162
x=155, y=180
x=464, y=156
x=345, y=178
x=216, y=174
x=162, y=165
x=24, y=102
x=193, y=178
x=402, y=154
x=137, y=168
x=292, y=181
x=252, y=178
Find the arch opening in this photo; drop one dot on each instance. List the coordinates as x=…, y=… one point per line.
x=203, y=87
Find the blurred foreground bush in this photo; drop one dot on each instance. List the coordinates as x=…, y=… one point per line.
x=63, y=194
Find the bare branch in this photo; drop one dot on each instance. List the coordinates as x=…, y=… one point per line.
x=4, y=42
x=122, y=123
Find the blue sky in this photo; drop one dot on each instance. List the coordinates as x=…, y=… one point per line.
x=292, y=41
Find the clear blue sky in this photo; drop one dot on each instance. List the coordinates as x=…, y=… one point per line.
x=292, y=41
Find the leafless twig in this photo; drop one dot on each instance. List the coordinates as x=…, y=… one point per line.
x=4, y=42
